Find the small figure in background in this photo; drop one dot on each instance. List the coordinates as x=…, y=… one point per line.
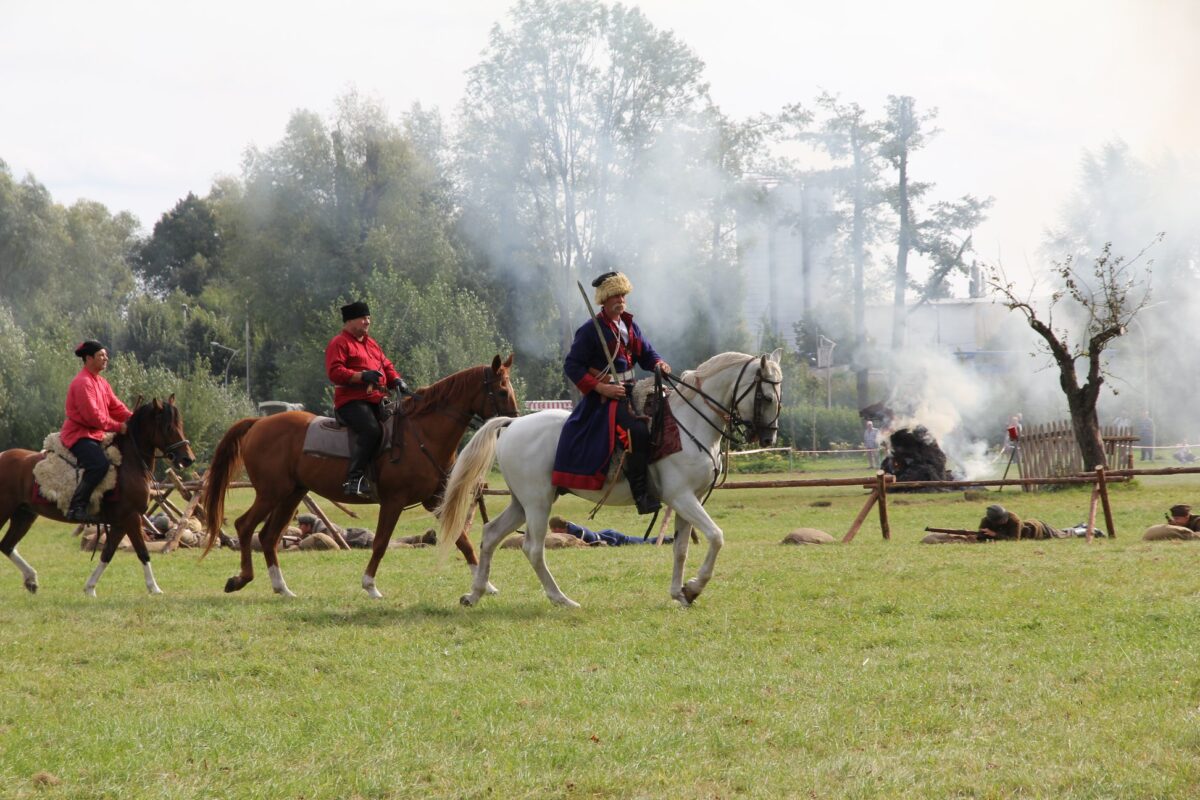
x=871, y=444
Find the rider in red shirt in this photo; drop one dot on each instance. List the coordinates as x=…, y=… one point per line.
x=361, y=376
x=92, y=410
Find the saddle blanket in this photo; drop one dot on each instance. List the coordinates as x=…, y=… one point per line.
x=57, y=475
x=327, y=438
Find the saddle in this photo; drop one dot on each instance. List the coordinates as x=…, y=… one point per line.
x=57, y=475
x=651, y=404
x=327, y=438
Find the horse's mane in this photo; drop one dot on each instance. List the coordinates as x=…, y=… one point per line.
x=141, y=413
x=432, y=396
x=718, y=363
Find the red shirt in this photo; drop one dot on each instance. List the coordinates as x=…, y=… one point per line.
x=345, y=357
x=92, y=409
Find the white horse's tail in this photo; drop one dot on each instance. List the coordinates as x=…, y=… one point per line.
x=475, y=460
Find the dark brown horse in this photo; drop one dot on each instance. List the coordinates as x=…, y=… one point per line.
x=272, y=449
x=155, y=428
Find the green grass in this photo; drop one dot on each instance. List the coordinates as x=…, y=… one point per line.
x=874, y=669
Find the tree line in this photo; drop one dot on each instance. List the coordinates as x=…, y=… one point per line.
x=586, y=140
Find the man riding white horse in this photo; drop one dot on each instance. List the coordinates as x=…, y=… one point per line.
x=605, y=416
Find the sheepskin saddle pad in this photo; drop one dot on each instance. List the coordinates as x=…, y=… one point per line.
x=326, y=438
x=58, y=474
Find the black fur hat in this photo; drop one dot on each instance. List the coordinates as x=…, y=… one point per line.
x=355, y=310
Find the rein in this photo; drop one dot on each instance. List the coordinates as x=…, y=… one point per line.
x=467, y=418
x=735, y=424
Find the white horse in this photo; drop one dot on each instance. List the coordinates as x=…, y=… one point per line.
x=729, y=394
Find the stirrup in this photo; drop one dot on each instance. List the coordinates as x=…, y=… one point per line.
x=78, y=514
x=356, y=487
x=647, y=504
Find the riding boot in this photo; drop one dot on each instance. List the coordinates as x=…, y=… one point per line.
x=77, y=512
x=636, y=472
x=355, y=484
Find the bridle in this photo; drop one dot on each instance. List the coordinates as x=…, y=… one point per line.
x=490, y=392
x=490, y=386
x=170, y=451
x=736, y=429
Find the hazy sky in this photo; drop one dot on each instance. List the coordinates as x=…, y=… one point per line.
x=134, y=104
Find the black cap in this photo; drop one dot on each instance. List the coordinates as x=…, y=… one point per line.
x=88, y=348
x=355, y=310
x=1181, y=510
x=596, y=283
x=996, y=512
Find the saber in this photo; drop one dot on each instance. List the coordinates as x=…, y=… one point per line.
x=612, y=370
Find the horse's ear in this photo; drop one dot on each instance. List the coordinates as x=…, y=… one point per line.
x=138, y=401
x=508, y=362
x=157, y=405
x=496, y=363
x=171, y=399
x=777, y=355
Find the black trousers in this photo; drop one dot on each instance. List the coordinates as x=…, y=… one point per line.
x=362, y=418
x=95, y=464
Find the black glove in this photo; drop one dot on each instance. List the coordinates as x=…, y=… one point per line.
x=400, y=386
x=372, y=376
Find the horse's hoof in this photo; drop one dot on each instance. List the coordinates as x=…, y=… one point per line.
x=285, y=592
x=466, y=600
x=690, y=594
x=155, y=590
x=491, y=589
x=233, y=584
x=374, y=593
x=90, y=591
x=565, y=602
x=31, y=586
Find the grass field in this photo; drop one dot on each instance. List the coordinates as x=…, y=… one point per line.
x=874, y=669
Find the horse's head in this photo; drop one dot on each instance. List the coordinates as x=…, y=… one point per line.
x=756, y=407
x=165, y=433
x=498, y=398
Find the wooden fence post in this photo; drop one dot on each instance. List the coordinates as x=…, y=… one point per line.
x=881, y=489
x=1091, y=523
x=862, y=515
x=1102, y=487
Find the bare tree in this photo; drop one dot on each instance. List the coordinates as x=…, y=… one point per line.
x=1100, y=306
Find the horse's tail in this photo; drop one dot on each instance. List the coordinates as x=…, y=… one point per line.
x=226, y=461
x=475, y=460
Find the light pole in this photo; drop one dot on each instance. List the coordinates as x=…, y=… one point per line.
x=232, y=352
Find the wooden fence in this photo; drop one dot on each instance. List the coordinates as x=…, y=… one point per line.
x=1050, y=451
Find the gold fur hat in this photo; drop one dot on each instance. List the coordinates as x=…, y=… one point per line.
x=610, y=284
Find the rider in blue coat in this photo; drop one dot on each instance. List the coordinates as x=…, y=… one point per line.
x=603, y=418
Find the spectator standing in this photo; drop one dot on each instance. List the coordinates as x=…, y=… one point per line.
x=1146, y=435
x=871, y=444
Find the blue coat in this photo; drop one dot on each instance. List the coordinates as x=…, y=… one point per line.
x=589, y=435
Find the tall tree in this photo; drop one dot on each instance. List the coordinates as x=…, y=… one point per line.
x=184, y=250
x=904, y=133
x=849, y=136
x=557, y=119
x=316, y=215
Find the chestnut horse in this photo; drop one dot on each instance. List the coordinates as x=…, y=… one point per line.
x=431, y=424
x=154, y=428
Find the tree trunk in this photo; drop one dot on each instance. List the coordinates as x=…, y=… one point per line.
x=862, y=375
x=898, y=310
x=1086, y=425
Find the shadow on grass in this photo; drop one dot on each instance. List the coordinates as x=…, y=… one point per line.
x=377, y=615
